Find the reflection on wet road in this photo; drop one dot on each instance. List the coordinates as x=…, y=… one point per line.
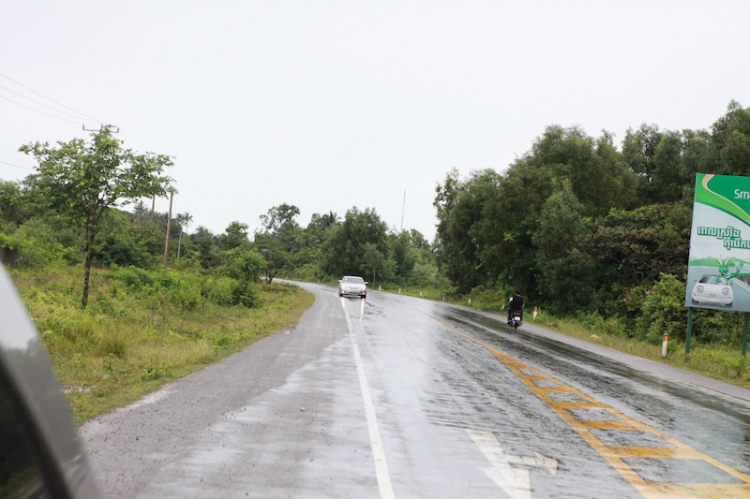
x=396, y=397
x=598, y=424
x=544, y=419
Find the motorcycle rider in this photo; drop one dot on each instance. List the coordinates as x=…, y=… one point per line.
x=515, y=303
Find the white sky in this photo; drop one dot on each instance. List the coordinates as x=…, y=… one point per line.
x=328, y=105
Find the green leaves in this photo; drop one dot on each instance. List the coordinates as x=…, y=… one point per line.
x=361, y=233
x=81, y=181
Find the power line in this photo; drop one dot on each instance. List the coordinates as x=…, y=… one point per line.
x=17, y=166
x=40, y=111
x=40, y=103
x=53, y=101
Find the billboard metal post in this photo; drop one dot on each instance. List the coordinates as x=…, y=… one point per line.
x=689, y=332
x=744, y=335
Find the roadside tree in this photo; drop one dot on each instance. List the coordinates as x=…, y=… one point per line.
x=82, y=181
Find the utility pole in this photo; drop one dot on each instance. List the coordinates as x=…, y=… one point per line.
x=169, y=227
x=179, y=244
x=112, y=129
x=403, y=208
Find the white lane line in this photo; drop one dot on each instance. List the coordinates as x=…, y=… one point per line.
x=378, y=454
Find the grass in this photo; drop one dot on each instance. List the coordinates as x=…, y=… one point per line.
x=127, y=344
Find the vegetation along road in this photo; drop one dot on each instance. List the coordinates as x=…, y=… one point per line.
x=392, y=396
x=395, y=396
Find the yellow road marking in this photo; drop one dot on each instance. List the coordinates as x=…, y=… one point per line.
x=614, y=454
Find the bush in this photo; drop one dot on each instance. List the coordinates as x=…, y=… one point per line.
x=35, y=245
x=166, y=279
x=219, y=290
x=243, y=264
x=246, y=294
x=134, y=278
x=187, y=295
x=663, y=311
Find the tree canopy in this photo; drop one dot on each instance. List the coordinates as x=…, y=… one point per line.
x=81, y=181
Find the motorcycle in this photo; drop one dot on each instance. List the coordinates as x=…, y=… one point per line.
x=515, y=320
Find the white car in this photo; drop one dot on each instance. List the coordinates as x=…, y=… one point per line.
x=713, y=290
x=352, y=285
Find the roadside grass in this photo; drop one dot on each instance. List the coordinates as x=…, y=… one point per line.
x=129, y=343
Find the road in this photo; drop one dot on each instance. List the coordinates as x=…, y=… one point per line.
x=398, y=397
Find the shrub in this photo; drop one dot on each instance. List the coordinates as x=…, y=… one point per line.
x=219, y=290
x=246, y=294
x=166, y=279
x=663, y=310
x=35, y=245
x=243, y=264
x=134, y=278
x=187, y=295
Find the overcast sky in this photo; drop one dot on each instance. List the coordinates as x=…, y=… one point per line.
x=328, y=105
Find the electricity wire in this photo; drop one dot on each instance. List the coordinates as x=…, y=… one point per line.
x=17, y=166
x=40, y=111
x=41, y=103
x=51, y=100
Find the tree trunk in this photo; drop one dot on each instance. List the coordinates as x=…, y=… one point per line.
x=169, y=227
x=87, y=274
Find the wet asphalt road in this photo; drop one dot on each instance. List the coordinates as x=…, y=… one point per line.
x=401, y=397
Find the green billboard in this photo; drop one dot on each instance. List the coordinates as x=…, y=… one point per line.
x=719, y=264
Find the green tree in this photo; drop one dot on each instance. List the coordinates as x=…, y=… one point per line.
x=467, y=235
x=279, y=222
x=207, y=250
x=565, y=272
x=639, y=245
x=123, y=243
x=274, y=254
x=245, y=264
x=83, y=181
x=730, y=140
x=656, y=157
x=12, y=205
x=183, y=221
x=343, y=252
x=405, y=256
x=373, y=261
x=234, y=236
